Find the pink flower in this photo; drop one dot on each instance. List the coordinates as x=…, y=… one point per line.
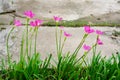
x=29, y=14
x=57, y=19
x=88, y=30
x=67, y=34
x=35, y=23
x=86, y=47
x=17, y=23
x=61, y=27
x=99, y=32
x=99, y=42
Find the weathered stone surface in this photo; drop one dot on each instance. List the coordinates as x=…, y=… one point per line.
x=6, y=5
x=112, y=17
x=46, y=41
x=68, y=9
x=6, y=8
x=6, y=18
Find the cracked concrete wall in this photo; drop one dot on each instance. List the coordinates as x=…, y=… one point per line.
x=46, y=41
x=6, y=6
x=69, y=9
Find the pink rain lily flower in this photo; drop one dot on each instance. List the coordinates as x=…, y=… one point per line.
x=99, y=32
x=29, y=14
x=36, y=23
x=99, y=42
x=57, y=19
x=61, y=27
x=88, y=30
x=17, y=23
x=67, y=34
x=86, y=47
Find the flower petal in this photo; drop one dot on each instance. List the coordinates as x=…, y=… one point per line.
x=86, y=47
x=57, y=19
x=29, y=14
x=67, y=34
x=88, y=30
x=99, y=42
x=36, y=23
x=99, y=32
x=17, y=23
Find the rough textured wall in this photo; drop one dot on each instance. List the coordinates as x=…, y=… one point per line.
x=69, y=9
x=6, y=5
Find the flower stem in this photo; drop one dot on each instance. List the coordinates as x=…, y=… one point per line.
x=80, y=44
x=27, y=37
x=22, y=57
x=59, y=50
x=85, y=54
x=31, y=37
x=7, y=46
x=36, y=32
x=56, y=36
x=63, y=44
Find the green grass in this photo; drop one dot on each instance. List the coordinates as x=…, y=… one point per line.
x=98, y=68
x=79, y=24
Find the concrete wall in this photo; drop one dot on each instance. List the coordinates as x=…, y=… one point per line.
x=68, y=9
x=5, y=5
